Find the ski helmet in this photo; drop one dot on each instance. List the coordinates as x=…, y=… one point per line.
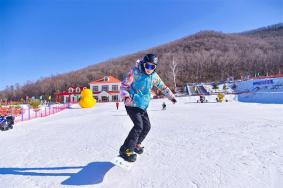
x=152, y=58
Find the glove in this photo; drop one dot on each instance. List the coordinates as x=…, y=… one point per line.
x=128, y=101
x=173, y=100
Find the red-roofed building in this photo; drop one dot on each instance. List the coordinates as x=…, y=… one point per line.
x=71, y=95
x=106, y=89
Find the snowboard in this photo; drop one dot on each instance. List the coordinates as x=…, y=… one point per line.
x=120, y=162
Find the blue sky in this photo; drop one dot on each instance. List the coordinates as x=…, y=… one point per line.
x=39, y=38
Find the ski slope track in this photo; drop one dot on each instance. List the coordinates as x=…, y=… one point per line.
x=190, y=145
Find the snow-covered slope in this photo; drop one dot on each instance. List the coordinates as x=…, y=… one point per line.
x=190, y=145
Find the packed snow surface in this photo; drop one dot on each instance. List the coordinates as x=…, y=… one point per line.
x=190, y=145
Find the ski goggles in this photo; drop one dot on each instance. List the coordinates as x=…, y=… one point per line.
x=149, y=66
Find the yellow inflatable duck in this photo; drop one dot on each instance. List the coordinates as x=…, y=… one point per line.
x=220, y=97
x=87, y=100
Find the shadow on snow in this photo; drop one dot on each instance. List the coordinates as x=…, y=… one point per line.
x=93, y=173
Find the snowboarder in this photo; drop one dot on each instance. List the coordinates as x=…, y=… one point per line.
x=135, y=92
x=163, y=106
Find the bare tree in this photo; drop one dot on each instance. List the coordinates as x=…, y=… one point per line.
x=173, y=67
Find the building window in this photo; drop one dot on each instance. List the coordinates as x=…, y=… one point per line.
x=95, y=88
x=70, y=90
x=106, y=78
x=105, y=99
x=78, y=90
x=105, y=88
x=114, y=87
x=115, y=98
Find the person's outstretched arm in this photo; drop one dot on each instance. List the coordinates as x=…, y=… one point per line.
x=125, y=87
x=164, y=89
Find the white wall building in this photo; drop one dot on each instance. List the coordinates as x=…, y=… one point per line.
x=264, y=90
x=106, y=89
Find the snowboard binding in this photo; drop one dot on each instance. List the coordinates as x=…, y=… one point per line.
x=127, y=154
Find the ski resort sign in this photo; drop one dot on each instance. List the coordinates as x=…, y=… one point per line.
x=263, y=82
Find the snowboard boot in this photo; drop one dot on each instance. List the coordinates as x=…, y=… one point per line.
x=138, y=149
x=128, y=155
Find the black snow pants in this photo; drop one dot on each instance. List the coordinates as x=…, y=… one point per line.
x=140, y=129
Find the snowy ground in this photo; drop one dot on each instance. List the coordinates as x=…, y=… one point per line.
x=190, y=145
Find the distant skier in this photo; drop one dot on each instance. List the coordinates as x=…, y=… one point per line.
x=136, y=93
x=117, y=105
x=201, y=99
x=163, y=106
